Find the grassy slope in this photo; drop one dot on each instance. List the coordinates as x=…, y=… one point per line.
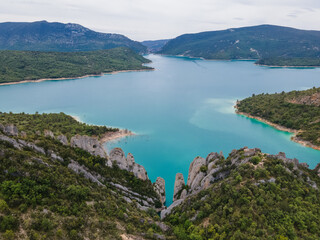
x=276, y=109
x=26, y=65
x=239, y=207
x=52, y=202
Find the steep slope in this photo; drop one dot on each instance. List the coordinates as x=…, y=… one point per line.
x=55, y=186
x=258, y=42
x=248, y=195
x=45, y=36
x=296, y=111
x=19, y=66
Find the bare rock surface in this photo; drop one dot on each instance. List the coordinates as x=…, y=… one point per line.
x=179, y=184
x=159, y=187
x=117, y=156
x=63, y=139
x=89, y=144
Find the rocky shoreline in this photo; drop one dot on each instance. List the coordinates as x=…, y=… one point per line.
x=294, y=138
x=112, y=136
x=71, y=78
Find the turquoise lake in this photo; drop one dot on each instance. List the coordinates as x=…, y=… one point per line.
x=181, y=110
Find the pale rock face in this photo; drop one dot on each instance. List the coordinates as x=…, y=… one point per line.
x=89, y=144
x=317, y=169
x=179, y=183
x=63, y=139
x=130, y=161
x=117, y=155
x=48, y=133
x=140, y=172
x=11, y=130
x=183, y=194
x=194, y=169
x=159, y=187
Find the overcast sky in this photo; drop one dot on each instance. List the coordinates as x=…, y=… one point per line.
x=160, y=19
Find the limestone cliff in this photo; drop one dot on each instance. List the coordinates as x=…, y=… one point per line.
x=159, y=187
x=117, y=157
x=89, y=144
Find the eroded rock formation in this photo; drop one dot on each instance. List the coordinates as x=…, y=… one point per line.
x=159, y=187
x=89, y=144
x=179, y=184
x=117, y=156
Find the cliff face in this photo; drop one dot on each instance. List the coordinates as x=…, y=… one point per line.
x=117, y=157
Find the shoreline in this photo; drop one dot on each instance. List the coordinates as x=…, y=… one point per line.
x=110, y=136
x=113, y=136
x=278, y=66
x=71, y=78
x=293, y=138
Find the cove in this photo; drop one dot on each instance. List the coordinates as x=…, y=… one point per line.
x=181, y=110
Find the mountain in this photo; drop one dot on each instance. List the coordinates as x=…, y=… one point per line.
x=248, y=195
x=20, y=66
x=296, y=111
x=57, y=182
x=257, y=42
x=45, y=36
x=155, y=45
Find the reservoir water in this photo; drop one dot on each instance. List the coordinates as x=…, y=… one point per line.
x=181, y=110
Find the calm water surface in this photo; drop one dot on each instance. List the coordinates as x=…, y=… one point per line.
x=181, y=110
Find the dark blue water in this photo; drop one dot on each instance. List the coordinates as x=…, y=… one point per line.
x=181, y=110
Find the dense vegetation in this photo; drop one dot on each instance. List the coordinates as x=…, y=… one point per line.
x=292, y=62
x=45, y=36
x=289, y=110
x=25, y=65
x=58, y=123
x=42, y=198
x=264, y=198
x=257, y=42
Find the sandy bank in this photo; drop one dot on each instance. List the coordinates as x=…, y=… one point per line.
x=112, y=136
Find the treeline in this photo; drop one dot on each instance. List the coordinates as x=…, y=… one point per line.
x=29, y=65
x=291, y=62
x=279, y=109
x=58, y=123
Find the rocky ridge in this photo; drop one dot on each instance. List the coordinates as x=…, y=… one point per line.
x=93, y=146
x=204, y=172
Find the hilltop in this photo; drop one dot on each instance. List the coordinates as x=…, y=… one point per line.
x=277, y=44
x=60, y=37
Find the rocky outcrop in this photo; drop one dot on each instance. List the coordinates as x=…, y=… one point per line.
x=117, y=156
x=63, y=139
x=167, y=211
x=89, y=144
x=10, y=130
x=48, y=133
x=312, y=100
x=159, y=187
x=179, y=184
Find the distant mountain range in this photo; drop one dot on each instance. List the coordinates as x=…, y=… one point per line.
x=155, y=45
x=257, y=42
x=45, y=36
